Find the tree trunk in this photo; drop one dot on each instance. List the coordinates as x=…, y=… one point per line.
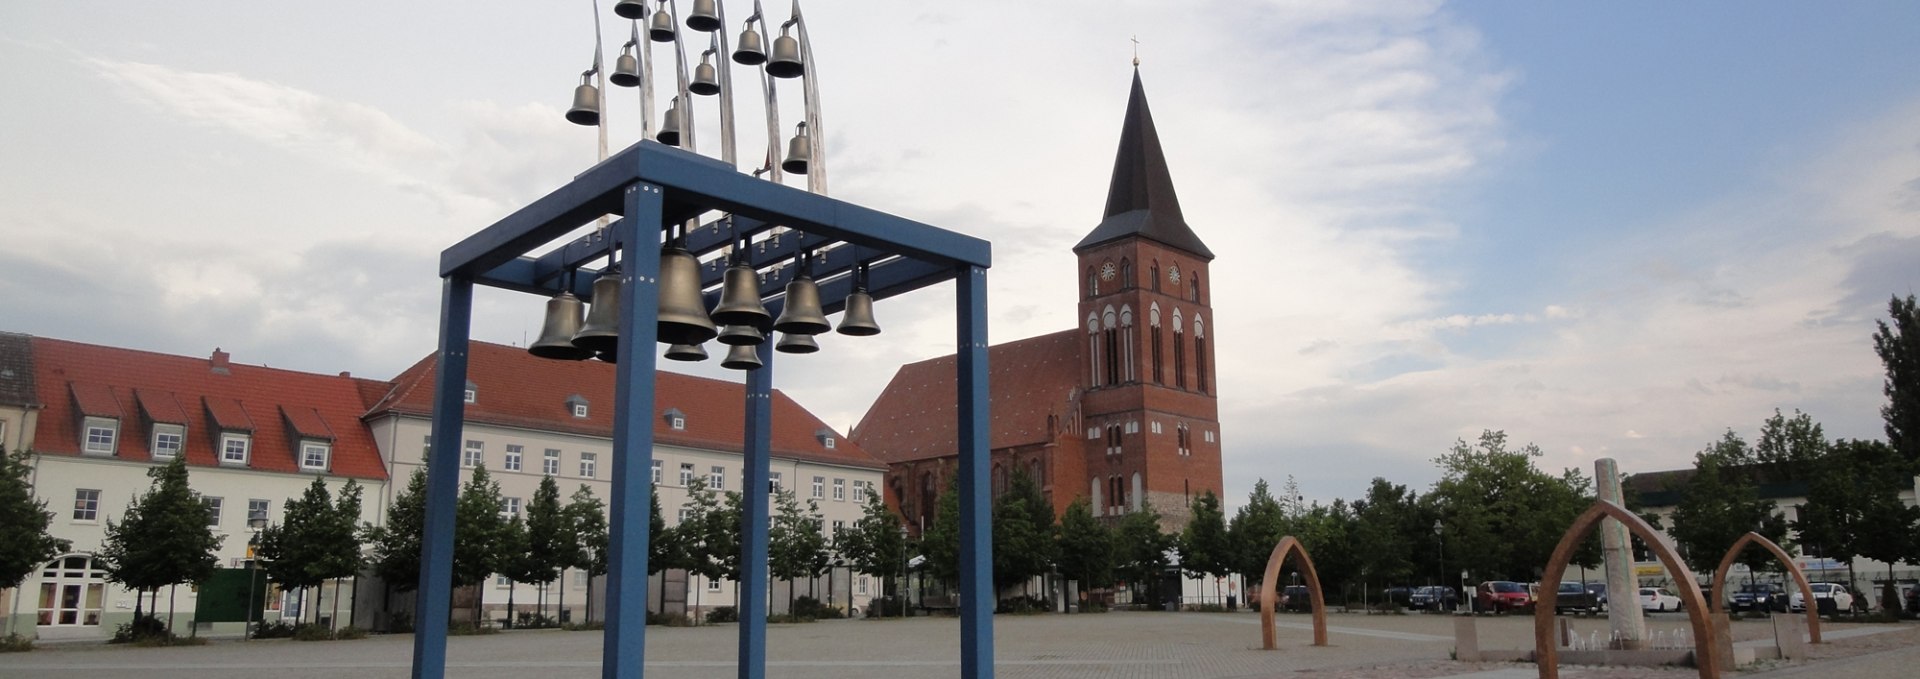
x=139, y=599
x=511, y=586
x=560, y=607
x=353, y=600
x=334, y=617
x=174, y=590
x=589, y=596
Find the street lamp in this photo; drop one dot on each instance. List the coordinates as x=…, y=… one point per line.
x=256, y=520
x=1440, y=560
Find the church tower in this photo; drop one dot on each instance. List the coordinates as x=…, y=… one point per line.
x=1148, y=376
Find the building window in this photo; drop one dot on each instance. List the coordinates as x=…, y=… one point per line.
x=684, y=513
x=580, y=579
x=656, y=472
x=839, y=490
x=587, y=464
x=213, y=510
x=510, y=508
x=86, y=504
x=839, y=527
x=1185, y=438
x=257, y=509
x=580, y=409
x=474, y=455
x=773, y=482
x=313, y=455
x=426, y=446
x=1209, y=435
x=472, y=394
x=513, y=461
x=819, y=486
x=1155, y=426
x=828, y=442
x=234, y=448
x=686, y=474
x=167, y=440
x=863, y=584
x=859, y=491
x=102, y=433
x=502, y=581
x=717, y=477
x=677, y=422
x=713, y=585
x=550, y=462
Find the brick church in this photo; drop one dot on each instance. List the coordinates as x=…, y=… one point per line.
x=1121, y=410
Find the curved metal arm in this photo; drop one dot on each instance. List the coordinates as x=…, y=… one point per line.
x=817, y=167
x=686, y=98
x=721, y=55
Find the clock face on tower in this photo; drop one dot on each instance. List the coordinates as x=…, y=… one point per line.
x=1106, y=271
x=1173, y=274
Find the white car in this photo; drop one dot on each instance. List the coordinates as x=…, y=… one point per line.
x=1658, y=599
x=1842, y=599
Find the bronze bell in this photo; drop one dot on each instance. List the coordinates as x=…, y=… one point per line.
x=626, y=71
x=799, y=151
x=602, y=331
x=706, y=82
x=670, y=125
x=631, y=9
x=786, y=58
x=687, y=352
x=735, y=335
x=796, y=344
x=740, y=301
x=801, y=315
x=749, y=51
x=705, y=16
x=858, y=320
x=586, y=103
x=683, y=311
x=565, y=314
x=742, y=357
x=607, y=356
x=661, y=27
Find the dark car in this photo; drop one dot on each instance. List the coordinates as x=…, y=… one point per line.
x=1758, y=596
x=1296, y=598
x=1400, y=596
x=1501, y=596
x=1574, y=596
x=1433, y=598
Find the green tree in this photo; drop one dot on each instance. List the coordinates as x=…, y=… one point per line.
x=706, y=535
x=587, y=519
x=1141, y=551
x=1327, y=532
x=794, y=542
x=1502, y=516
x=514, y=559
x=1845, y=500
x=1720, y=503
x=550, y=540
x=1085, y=547
x=164, y=538
x=1253, y=533
x=876, y=544
x=1899, y=348
x=1787, y=446
x=1022, y=533
x=1204, y=550
x=1386, y=530
x=477, y=532
x=1888, y=530
x=291, y=552
x=340, y=555
x=25, y=543
x=942, y=539
x=396, y=545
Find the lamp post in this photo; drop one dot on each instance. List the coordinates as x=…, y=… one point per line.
x=256, y=520
x=1440, y=560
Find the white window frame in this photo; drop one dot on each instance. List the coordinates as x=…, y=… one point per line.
x=264, y=507
x=589, y=465
x=686, y=474
x=100, y=435
x=859, y=491
x=839, y=526
x=827, y=441
x=550, y=462
x=819, y=487
x=168, y=433
x=656, y=472
x=773, y=482
x=215, y=506
x=515, y=457
x=87, y=501
x=682, y=516
x=839, y=490
x=310, y=450
x=426, y=446
x=474, y=454
x=713, y=585
x=509, y=507
x=863, y=585
x=717, y=477
x=580, y=410
x=232, y=441
x=471, y=395
x=678, y=423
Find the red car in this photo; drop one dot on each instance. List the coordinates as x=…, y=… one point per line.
x=1500, y=596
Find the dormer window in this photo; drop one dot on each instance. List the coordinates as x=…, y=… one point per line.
x=314, y=455
x=168, y=439
x=102, y=435
x=675, y=419
x=235, y=448
x=577, y=405
x=473, y=393
x=579, y=410
x=826, y=438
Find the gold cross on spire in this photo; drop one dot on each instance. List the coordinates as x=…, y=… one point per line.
x=1136, y=51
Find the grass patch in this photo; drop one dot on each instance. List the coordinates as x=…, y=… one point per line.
x=14, y=643
x=468, y=629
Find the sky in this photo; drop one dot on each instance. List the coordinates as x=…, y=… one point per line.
x=1608, y=229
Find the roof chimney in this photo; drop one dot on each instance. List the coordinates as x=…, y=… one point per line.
x=219, y=361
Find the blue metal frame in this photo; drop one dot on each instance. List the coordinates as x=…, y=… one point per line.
x=651, y=186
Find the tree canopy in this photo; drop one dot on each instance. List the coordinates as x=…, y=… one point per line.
x=24, y=542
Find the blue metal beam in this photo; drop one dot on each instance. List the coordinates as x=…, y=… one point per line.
x=976, y=524
x=623, y=652
x=754, y=517
x=593, y=193
x=435, y=593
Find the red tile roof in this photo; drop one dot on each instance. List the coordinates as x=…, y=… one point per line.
x=226, y=414
x=94, y=400
x=306, y=422
x=513, y=388
x=249, y=394
x=1028, y=380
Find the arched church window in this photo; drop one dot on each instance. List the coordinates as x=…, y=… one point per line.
x=1126, y=273
x=1200, y=354
x=1110, y=340
x=1179, y=353
x=1153, y=322
x=1153, y=275
x=1126, y=344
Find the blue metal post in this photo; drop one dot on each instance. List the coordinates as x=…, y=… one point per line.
x=435, y=596
x=976, y=525
x=754, y=517
x=623, y=651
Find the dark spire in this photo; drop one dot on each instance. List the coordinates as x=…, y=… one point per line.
x=1141, y=201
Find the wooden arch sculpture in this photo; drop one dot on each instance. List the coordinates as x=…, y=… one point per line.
x=1270, y=584
x=1547, y=654
x=1799, y=578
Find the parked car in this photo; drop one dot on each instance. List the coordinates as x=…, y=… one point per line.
x=1433, y=597
x=1913, y=599
x=1400, y=596
x=1574, y=596
x=1296, y=598
x=1658, y=599
x=1758, y=596
x=1500, y=596
x=1828, y=597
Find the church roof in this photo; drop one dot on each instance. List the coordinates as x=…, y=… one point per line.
x=1028, y=380
x=1140, y=200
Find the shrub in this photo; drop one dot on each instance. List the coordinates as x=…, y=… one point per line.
x=723, y=614
x=1207, y=608
x=535, y=621
x=349, y=632
x=464, y=629
x=141, y=629
x=1023, y=604
x=811, y=608
x=1093, y=606
x=400, y=623
x=14, y=643
x=311, y=632
x=785, y=618
x=273, y=630
x=886, y=607
x=593, y=625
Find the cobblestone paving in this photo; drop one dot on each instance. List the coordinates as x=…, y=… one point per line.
x=1110, y=646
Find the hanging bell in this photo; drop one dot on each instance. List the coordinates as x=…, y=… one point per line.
x=786, y=58
x=586, y=103
x=858, y=320
x=799, y=151
x=705, y=16
x=626, y=71
x=565, y=314
x=661, y=27
x=670, y=125
x=735, y=335
x=706, y=81
x=749, y=51
x=602, y=331
x=687, y=352
x=607, y=356
x=740, y=301
x=802, y=315
x=796, y=344
x=683, y=312
x=742, y=357
x=630, y=9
